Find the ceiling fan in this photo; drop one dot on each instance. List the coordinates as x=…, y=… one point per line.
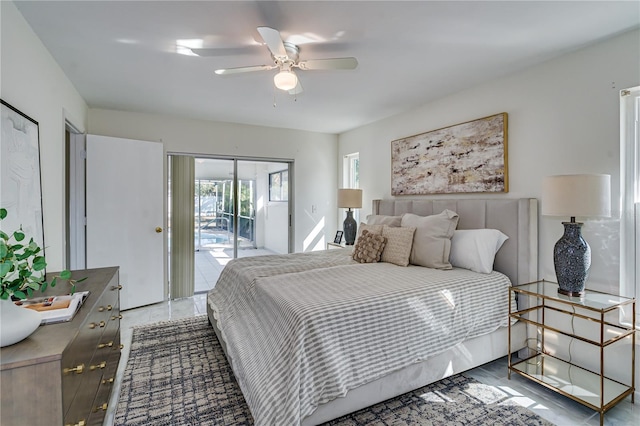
x=286, y=57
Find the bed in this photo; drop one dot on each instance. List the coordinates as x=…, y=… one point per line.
x=313, y=336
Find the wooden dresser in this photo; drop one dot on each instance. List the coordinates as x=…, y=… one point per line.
x=63, y=373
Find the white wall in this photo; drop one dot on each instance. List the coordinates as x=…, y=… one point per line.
x=31, y=81
x=314, y=155
x=563, y=119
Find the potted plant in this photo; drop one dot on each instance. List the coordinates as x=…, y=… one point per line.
x=22, y=272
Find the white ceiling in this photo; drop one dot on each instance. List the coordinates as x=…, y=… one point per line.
x=122, y=54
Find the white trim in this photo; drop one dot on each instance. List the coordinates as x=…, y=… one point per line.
x=630, y=195
x=77, y=212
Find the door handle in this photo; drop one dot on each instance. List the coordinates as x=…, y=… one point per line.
x=158, y=230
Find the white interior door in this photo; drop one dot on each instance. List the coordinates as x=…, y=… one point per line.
x=124, y=211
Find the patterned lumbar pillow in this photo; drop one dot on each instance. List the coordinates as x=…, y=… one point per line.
x=368, y=248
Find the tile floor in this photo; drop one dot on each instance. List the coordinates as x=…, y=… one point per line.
x=549, y=405
x=210, y=262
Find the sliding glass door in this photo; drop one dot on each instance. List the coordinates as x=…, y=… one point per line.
x=241, y=209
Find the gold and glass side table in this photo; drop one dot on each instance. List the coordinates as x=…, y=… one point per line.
x=593, y=327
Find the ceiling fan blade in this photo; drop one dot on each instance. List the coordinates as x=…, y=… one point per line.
x=296, y=90
x=273, y=41
x=238, y=70
x=224, y=51
x=329, y=64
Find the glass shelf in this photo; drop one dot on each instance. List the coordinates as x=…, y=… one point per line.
x=572, y=381
x=592, y=299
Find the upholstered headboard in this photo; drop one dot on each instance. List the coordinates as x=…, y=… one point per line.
x=517, y=218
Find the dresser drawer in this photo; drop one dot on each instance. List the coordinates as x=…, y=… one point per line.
x=78, y=357
x=99, y=341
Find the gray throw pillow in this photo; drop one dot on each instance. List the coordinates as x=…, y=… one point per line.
x=432, y=239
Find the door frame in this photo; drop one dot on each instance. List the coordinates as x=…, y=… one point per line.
x=75, y=193
x=290, y=167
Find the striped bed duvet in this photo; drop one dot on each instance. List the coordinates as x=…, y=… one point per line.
x=304, y=329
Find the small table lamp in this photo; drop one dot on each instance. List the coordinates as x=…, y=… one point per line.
x=349, y=199
x=574, y=195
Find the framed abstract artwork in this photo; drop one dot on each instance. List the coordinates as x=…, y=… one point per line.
x=464, y=158
x=20, y=191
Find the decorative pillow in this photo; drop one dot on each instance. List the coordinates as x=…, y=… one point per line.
x=368, y=248
x=397, y=249
x=432, y=239
x=375, y=229
x=476, y=249
x=378, y=219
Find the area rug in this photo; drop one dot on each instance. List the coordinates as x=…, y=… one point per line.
x=177, y=375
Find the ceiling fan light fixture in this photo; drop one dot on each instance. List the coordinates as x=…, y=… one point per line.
x=285, y=80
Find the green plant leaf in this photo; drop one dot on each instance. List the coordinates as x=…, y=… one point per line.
x=3, y=213
x=18, y=235
x=19, y=294
x=39, y=263
x=5, y=268
x=53, y=282
x=44, y=286
x=65, y=275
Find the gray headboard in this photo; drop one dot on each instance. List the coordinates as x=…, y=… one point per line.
x=517, y=218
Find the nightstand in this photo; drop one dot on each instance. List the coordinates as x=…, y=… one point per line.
x=592, y=321
x=335, y=245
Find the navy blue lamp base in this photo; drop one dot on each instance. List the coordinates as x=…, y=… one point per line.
x=572, y=259
x=349, y=227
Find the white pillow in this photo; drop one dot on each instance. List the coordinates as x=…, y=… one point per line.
x=476, y=249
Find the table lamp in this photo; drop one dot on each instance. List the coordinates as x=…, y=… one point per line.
x=587, y=195
x=349, y=199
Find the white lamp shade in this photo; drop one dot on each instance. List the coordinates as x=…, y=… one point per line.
x=577, y=195
x=285, y=80
x=350, y=198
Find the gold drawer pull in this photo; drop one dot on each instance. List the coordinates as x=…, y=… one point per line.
x=114, y=317
x=105, y=345
x=78, y=370
x=102, y=308
x=109, y=307
x=105, y=381
x=102, y=407
x=80, y=423
x=116, y=287
x=100, y=324
x=102, y=365
x=121, y=346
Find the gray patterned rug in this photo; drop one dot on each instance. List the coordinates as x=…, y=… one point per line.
x=177, y=374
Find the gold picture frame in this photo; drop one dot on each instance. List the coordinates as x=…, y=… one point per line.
x=469, y=157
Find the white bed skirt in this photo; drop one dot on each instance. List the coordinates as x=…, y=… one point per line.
x=465, y=356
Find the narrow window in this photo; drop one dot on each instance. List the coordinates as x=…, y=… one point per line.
x=279, y=186
x=351, y=177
